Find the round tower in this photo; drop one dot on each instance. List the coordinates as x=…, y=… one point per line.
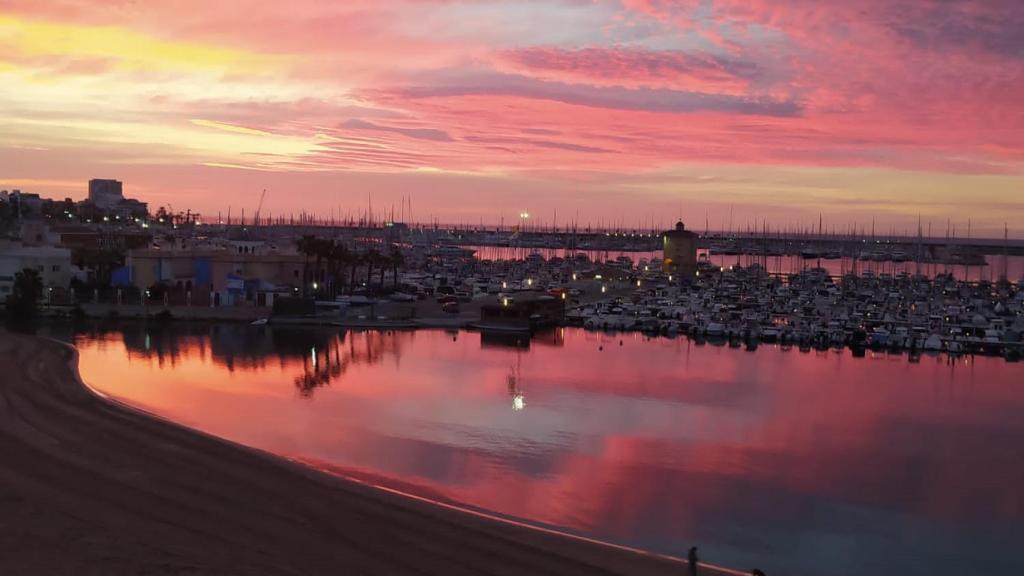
x=680, y=251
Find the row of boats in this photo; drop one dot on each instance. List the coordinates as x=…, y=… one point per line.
x=813, y=310
x=744, y=305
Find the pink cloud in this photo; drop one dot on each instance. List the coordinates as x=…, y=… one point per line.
x=633, y=86
x=635, y=68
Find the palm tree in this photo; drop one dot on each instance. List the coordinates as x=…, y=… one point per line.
x=322, y=252
x=340, y=256
x=371, y=258
x=23, y=301
x=356, y=260
x=307, y=247
x=397, y=259
x=384, y=261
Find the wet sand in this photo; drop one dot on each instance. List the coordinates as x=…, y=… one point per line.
x=89, y=486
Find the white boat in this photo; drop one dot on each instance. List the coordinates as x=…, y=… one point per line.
x=715, y=329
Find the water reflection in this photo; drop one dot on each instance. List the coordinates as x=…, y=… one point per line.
x=318, y=356
x=329, y=358
x=779, y=459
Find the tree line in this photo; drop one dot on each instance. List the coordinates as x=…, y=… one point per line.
x=333, y=265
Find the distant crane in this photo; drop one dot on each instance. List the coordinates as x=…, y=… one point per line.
x=259, y=207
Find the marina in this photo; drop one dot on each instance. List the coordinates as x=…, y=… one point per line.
x=506, y=288
x=355, y=278
x=744, y=305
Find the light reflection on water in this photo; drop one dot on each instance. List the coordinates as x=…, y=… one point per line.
x=799, y=463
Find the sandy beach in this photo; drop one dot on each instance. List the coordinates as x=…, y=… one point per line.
x=88, y=486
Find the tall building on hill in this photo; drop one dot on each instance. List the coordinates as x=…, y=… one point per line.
x=105, y=194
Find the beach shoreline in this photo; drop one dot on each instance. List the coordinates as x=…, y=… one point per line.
x=92, y=486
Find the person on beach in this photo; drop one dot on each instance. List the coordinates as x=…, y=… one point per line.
x=692, y=559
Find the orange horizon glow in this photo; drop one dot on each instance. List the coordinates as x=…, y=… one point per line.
x=627, y=113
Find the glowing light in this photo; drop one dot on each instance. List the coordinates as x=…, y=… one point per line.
x=529, y=281
x=574, y=276
x=637, y=283
x=316, y=286
x=604, y=289
x=597, y=276
x=518, y=402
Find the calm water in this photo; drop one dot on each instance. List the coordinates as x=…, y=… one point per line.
x=799, y=463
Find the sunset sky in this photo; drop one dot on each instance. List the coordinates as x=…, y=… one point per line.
x=618, y=111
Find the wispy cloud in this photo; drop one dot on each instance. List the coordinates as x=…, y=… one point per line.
x=418, y=133
x=536, y=95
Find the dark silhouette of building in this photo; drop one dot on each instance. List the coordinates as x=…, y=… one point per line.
x=105, y=194
x=680, y=251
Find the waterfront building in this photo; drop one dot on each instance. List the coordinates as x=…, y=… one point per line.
x=680, y=251
x=53, y=265
x=242, y=272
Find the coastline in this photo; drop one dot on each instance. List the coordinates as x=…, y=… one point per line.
x=91, y=486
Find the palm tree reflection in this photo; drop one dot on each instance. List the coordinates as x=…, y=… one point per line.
x=324, y=364
x=326, y=354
